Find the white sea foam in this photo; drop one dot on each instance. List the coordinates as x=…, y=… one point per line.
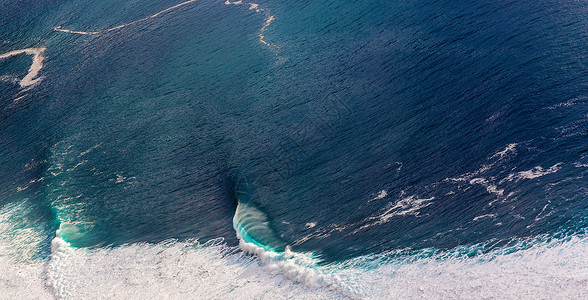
x=490, y=188
x=407, y=205
x=298, y=267
x=495, y=159
x=555, y=270
x=68, y=204
x=32, y=76
x=381, y=195
x=190, y=270
x=9, y=78
x=267, y=23
x=533, y=173
x=252, y=6
x=180, y=270
x=480, y=176
x=21, y=275
x=31, y=182
x=484, y=216
x=90, y=149
x=476, y=177
x=568, y=103
x=22, y=280
x=510, y=148
x=58, y=28
x=320, y=233
x=170, y=270
x=268, y=19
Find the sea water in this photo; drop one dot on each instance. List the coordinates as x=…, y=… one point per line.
x=293, y=149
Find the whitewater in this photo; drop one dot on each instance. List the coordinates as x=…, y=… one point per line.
x=219, y=149
x=189, y=269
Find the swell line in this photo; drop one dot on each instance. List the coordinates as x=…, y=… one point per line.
x=58, y=28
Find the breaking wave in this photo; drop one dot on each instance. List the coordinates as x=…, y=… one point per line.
x=546, y=269
x=252, y=6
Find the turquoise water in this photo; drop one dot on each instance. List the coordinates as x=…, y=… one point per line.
x=293, y=149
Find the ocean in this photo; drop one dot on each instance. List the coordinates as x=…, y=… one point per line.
x=213, y=149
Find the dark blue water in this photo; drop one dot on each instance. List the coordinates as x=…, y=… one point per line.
x=349, y=129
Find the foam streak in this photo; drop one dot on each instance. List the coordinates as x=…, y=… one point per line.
x=58, y=28
x=31, y=77
x=268, y=20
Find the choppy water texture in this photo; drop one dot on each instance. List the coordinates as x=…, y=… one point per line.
x=293, y=149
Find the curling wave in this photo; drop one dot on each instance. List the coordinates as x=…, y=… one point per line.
x=170, y=269
x=251, y=225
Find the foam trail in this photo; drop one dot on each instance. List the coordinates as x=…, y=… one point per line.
x=252, y=6
x=410, y=205
x=60, y=252
x=533, y=173
x=31, y=77
x=58, y=28
x=268, y=20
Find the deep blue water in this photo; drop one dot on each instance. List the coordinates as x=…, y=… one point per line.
x=349, y=129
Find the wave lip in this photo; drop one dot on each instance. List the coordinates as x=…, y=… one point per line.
x=250, y=223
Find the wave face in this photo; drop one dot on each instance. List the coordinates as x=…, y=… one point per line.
x=285, y=149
